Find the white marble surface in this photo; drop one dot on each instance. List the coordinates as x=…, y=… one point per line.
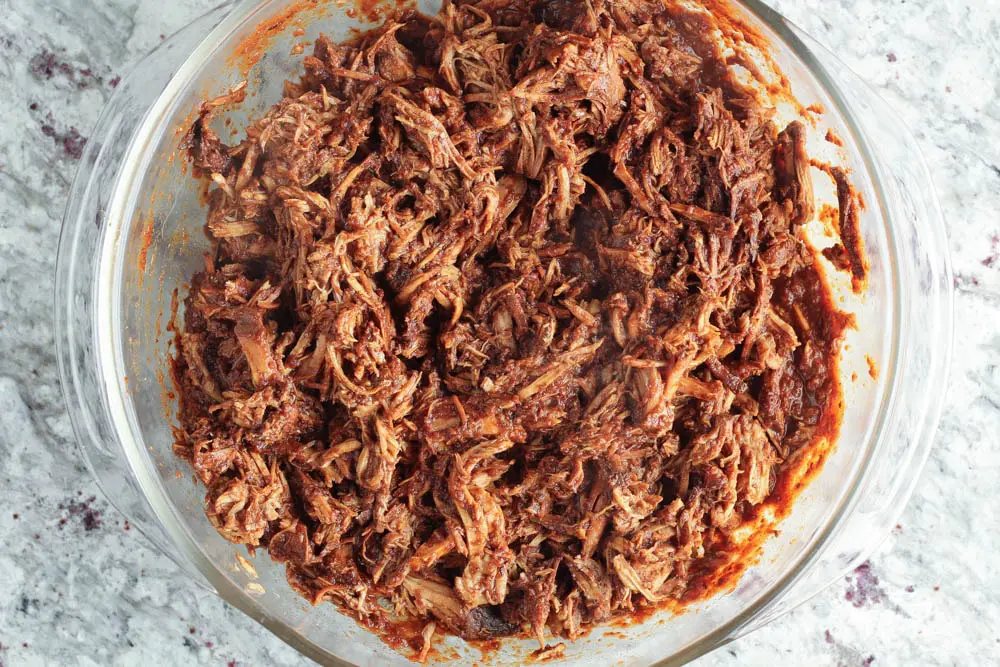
x=78, y=587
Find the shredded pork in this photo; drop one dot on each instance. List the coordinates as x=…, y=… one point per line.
x=509, y=320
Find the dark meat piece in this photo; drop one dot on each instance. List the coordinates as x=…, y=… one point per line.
x=509, y=322
x=440, y=601
x=849, y=254
x=570, y=15
x=791, y=165
x=207, y=149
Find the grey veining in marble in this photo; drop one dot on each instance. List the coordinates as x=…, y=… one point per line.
x=78, y=587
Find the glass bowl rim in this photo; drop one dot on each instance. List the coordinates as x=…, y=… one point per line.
x=136, y=165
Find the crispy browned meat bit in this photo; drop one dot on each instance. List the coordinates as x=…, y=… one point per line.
x=509, y=320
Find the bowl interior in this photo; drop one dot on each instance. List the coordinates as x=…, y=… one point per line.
x=156, y=243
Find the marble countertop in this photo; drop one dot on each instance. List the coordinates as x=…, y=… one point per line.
x=79, y=587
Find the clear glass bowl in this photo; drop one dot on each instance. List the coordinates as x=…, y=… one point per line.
x=132, y=236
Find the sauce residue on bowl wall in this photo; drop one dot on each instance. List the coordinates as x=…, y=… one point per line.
x=147, y=242
x=296, y=16
x=249, y=51
x=738, y=557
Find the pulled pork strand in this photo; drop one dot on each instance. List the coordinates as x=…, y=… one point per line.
x=509, y=320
